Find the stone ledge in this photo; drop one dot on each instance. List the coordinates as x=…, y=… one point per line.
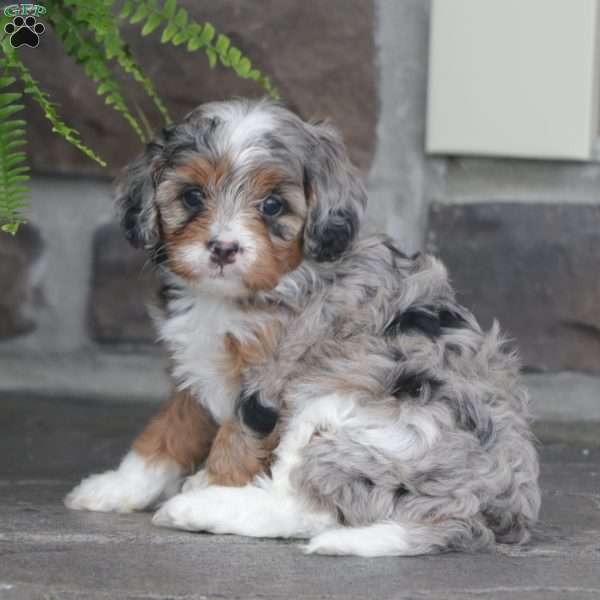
x=100, y=376
x=566, y=405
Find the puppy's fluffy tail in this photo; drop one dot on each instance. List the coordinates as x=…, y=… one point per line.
x=402, y=539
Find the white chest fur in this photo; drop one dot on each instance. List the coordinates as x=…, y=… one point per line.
x=194, y=332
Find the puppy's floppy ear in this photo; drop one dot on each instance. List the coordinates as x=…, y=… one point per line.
x=135, y=190
x=335, y=194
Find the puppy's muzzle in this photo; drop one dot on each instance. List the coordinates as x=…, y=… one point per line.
x=223, y=253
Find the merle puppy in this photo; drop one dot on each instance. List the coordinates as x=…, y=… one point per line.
x=328, y=386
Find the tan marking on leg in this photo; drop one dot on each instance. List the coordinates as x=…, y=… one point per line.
x=182, y=431
x=237, y=456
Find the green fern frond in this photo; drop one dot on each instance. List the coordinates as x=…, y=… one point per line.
x=99, y=18
x=69, y=28
x=179, y=29
x=32, y=88
x=14, y=172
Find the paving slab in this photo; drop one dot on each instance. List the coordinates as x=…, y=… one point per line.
x=50, y=553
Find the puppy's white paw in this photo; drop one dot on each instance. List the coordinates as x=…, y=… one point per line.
x=182, y=512
x=137, y=484
x=324, y=543
x=210, y=509
x=195, y=482
x=108, y=492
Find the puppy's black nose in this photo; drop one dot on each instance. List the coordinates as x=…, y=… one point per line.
x=223, y=253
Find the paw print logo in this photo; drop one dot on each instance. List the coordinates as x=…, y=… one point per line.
x=24, y=32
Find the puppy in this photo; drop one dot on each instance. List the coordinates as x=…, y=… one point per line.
x=330, y=386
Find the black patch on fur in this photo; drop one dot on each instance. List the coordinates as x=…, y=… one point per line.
x=159, y=254
x=485, y=431
x=427, y=320
x=389, y=244
x=273, y=143
x=400, y=492
x=210, y=126
x=486, y=434
x=261, y=419
x=133, y=201
x=172, y=151
x=368, y=483
x=467, y=422
x=306, y=184
x=369, y=291
x=451, y=319
x=424, y=320
x=166, y=294
x=341, y=517
x=454, y=348
x=411, y=384
x=130, y=222
x=333, y=238
x=169, y=131
x=154, y=148
x=397, y=355
x=278, y=229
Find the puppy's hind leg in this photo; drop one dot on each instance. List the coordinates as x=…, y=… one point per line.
x=251, y=511
x=402, y=538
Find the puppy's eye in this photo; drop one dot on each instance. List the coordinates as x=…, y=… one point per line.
x=193, y=199
x=271, y=207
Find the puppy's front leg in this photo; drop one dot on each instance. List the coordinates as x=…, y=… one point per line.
x=173, y=444
x=236, y=457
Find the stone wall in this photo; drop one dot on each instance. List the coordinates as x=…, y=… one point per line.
x=521, y=238
x=320, y=55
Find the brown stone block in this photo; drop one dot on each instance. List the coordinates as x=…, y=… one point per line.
x=320, y=55
x=123, y=283
x=18, y=255
x=534, y=267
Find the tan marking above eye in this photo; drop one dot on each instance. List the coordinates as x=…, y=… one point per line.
x=204, y=173
x=262, y=182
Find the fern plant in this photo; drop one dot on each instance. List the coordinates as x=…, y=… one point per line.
x=90, y=32
x=13, y=170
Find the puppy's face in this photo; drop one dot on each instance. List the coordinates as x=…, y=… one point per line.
x=239, y=194
x=231, y=227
